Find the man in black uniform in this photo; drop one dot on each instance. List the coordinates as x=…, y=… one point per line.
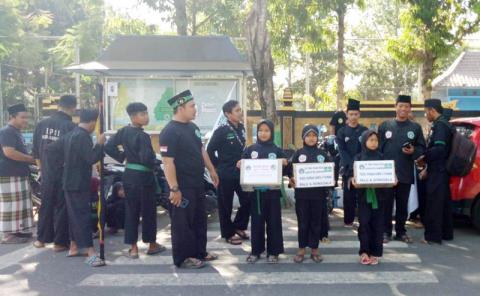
x=138, y=179
x=184, y=159
x=80, y=155
x=225, y=150
x=438, y=206
x=339, y=119
x=348, y=140
x=52, y=217
x=401, y=140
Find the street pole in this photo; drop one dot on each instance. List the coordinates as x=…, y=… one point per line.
x=1, y=99
x=77, y=75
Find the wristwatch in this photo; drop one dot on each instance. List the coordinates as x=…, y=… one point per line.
x=174, y=189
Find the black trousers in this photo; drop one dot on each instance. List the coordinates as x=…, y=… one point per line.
x=350, y=198
x=226, y=190
x=189, y=227
x=140, y=201
x=310, y=216
x=270, y=215
x=438, y=207
x=398, y=194
x=79, y=218
x=116, y=215
x=370, y=232
x=52, y=217
x=325, y=222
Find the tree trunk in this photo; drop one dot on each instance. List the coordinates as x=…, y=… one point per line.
x=426, y=75
x=260, y=55
x=181, y=17
x=340, y=54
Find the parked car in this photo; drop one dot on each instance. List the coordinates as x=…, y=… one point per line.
x=466, y=190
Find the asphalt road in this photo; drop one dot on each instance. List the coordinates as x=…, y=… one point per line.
x=416, y=269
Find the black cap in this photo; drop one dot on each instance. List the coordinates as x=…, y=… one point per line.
x=14, y=109
x=136, y=107
x=404, y=99
x=88, y=115
x=353, y=105
x=435, y=104
x=180, y=99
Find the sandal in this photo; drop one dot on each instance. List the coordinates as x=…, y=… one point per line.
x=253, y=258
x=210, y=257
x=59, y=248
x=317, y=258
x=38, y=244
x=326, y=240
x=192, y=263
x=12, y=239
x=374, y=260
x=272, y=259
x=234, y=240
x=299, y=258
x=158, y=249
x=364, y=259
x=404, y=238
x=427, y=242
x=95, y=261
x=77, y=254
x=242, y=234
x=132, y=255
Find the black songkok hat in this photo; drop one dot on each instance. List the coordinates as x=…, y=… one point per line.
x=180, y=99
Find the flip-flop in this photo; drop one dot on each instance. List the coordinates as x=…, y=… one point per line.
x=364, y=259
x=317, y=258
x=234, y=241
x=158, y=249
x=210, y=257
x=38, y=244
x=78, y=254
x=299, y=258
x=192, y=263
x=253, y=258
x=271, y=259
x=374, y=260
x=132, y=255
x=404, y=238
x=242, y=234
x=94, y=261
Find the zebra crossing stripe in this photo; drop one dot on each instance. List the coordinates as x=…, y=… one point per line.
x=228, y=259
x=213, y=234
x=258, y=278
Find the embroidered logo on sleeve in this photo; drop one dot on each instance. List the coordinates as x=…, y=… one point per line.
x=254, y=155
x=411, y=135
x=320, y=158
x=302, y=158
x=388, y=134
x=272, y=156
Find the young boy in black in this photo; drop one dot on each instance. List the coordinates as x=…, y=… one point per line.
x=138, y=179
x=309, y=202
x=266, y=207
x=371, y=206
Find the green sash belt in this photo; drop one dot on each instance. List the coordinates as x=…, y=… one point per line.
x=142, y=168
x=259, y=190
x=372, y=198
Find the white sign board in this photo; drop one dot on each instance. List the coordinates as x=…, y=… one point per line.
x=256, y=173
x=375, y=173
x=112, y=89
x=310, y=175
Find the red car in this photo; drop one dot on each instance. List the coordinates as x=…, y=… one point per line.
x=466, y=190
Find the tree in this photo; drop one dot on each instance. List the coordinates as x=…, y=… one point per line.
x=340, y=7
x=431, y=31
x=201, y=16
x=260, y=55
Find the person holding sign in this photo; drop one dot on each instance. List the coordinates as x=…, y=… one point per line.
x=401, y=140
x=310, y=203
x=266, y=209
x=348, y=140
x=225, y=150
x=371, y=206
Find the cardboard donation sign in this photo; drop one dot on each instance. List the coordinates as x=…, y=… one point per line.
x=374, y=173
x=255, y=173
x=310, y=175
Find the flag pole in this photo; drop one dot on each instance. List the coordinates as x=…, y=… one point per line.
x=100, y=129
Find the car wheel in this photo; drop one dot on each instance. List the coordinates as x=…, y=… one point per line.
x=476, y=214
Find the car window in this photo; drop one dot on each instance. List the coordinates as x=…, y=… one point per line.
x=465, y=129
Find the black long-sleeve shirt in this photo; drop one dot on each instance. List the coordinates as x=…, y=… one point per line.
x=46, y=132
x=348, y=141
x=137, y=149
x=79, y=156
x=439, y=144
x=393, y=134
x=225, y=149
